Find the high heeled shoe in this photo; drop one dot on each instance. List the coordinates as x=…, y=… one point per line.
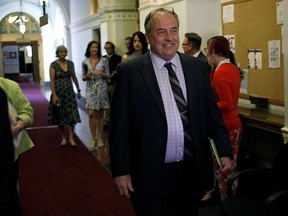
x=100, y=143
x=73, y=143
x=93, y=146
x=63, y=142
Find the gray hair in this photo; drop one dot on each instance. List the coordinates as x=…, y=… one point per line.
x=147, y=23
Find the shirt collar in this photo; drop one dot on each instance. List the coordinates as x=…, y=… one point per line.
x=222, y=62
x=196, y=54
x=159, y=62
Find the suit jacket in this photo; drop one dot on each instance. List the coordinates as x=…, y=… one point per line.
x=202, y=56
x=138, y=129
x=113, y=62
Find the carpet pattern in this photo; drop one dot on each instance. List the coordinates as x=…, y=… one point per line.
x=59, y=180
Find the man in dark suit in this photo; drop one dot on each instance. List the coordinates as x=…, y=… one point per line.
x=191, y=45
x=151, y=161
x=113, y=61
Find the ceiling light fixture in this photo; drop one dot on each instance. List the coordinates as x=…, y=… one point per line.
x=22, y=19
x=43, y=4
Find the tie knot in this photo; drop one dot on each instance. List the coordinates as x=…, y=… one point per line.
x=168, y=65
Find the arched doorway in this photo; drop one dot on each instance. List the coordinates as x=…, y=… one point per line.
x=16, y=59
x=20, y=55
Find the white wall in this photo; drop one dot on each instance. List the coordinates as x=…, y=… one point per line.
x=79, y=43
x=79, y=10
x=204, y=18
x=200, y=16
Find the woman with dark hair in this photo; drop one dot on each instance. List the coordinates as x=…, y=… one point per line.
x=138, y=46
x=63, y=108
x=226, y=81
x=95, y=71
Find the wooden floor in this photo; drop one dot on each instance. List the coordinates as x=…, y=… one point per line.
x=83, y=132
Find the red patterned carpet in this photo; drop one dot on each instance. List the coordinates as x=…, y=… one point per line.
x=38, y=102
x=63, y=181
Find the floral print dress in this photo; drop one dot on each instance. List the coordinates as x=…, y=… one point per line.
x=96, y=87
x=67, y=113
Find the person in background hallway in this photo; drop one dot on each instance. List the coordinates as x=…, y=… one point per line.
x=127, y=42
x=113, y=61
x=191, y=45
x=63, y=108
x=148, y=160
x=9, y=199
x=138, y=46
x=226, y=81
x=95, y=71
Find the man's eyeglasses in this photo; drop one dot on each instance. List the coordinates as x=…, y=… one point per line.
x=107, y=47
x=185, y=44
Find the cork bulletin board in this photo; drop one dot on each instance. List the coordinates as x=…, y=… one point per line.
x=255, y=24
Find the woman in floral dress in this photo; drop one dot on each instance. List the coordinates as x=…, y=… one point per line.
x=63, y=109
x=95, y=71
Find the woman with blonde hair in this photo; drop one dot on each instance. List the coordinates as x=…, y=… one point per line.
x=63, y=109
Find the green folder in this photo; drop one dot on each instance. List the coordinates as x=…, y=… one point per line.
x=214, y=149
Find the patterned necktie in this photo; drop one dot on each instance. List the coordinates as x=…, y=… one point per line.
x=182, y=107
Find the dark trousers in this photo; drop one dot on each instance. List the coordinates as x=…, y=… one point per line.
x=9, y=197
x=177, y=194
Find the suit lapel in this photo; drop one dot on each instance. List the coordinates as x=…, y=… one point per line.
x=189, y=81
x=150, y=79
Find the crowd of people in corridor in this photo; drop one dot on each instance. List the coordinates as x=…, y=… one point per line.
x=154, y=163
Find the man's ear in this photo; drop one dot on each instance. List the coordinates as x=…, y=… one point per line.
x=147, y=38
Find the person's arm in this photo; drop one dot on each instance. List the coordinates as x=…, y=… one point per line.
x=222, y=84
x=124, y=58
x=218, y=131
x=52, y=85
x=75, y=80
x=86, y=75
x=119, y=134
x=23, y=107
x=105, y=73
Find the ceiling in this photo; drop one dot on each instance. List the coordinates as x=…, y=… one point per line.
x=2, y=2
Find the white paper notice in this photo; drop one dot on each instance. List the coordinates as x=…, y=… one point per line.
x=279, y=6
x=251, y=58
x=228, y=13
x=231, y=39
x=274, y=54
x=258, y=59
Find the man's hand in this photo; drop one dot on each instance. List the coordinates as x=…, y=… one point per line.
x=226, y=163
x=124, y=185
